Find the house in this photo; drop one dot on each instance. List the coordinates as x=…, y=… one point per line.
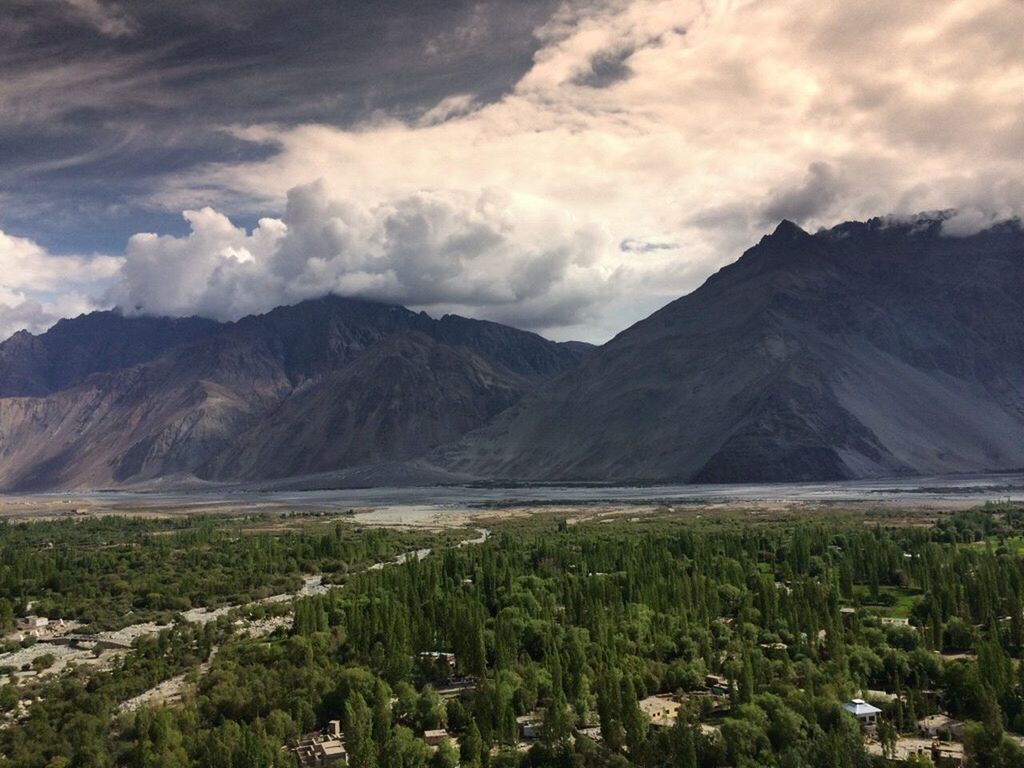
x=866, y=714
x=443, y=656
x=662, y=710
x=435, y=737
x=31, y=623
x=944, y=753
x=937, y=726
x=876, y=695
x=529, y=726
x=947, y=753
x=456, y=686
x=717, y=684
x=317, y=750
x=775, y=650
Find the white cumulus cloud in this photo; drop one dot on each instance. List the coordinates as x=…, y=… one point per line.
x=648, y=144
x=38, y=288
x=484, y=252
x=687, y=123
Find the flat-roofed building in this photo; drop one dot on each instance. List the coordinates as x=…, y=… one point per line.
x=435, y=737
x=316, y=750
x=717, y=684
x=945, y=753
x=445, y=657
x=939, y=725
x=866, y=714
x=529, y=726
x=661, y=709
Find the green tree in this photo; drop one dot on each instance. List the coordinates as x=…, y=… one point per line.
x=683, y=743
x=471, y=746
x=445, y=756
x=634, y=722
x=362, y=752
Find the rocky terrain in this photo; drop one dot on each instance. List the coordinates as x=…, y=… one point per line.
x=870, y=349
x=106, y=400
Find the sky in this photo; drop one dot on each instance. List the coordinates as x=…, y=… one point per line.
x=563, y=167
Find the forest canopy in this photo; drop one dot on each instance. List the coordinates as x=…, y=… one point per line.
x=549, y=642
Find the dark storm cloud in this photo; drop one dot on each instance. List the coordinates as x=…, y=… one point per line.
x=607, y=68
x=811, y=199
x=100, y=98
x=505, y=159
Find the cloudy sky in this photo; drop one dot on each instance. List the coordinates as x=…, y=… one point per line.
x=562, y=167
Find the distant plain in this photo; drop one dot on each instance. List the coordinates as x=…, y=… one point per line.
x=456, y=505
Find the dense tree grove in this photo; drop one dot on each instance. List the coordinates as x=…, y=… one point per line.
x=113, y=571
x=575, y=625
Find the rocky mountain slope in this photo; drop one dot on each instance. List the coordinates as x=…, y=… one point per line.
x=868, y=349
x=105, y=400
x=75, y=349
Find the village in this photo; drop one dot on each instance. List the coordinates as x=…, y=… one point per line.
x=938, y=738
x=48, y=647
x=489, y=689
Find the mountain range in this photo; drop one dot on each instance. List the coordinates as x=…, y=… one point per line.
x=106, y=400
x=870, y=349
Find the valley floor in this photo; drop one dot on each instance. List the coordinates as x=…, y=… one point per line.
x=450, y=505
x=607, y=633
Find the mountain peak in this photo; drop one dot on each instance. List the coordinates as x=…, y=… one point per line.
x=813, y=357
x=789, y=229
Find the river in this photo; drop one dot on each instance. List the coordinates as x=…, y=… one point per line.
x=955, y=490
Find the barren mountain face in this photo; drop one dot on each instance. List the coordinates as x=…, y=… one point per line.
x=105, y=400
x=869, y=349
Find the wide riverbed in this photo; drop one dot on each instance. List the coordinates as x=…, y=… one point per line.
x=958, y=491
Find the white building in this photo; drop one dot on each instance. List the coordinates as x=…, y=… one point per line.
x=866, y=714
x=529, y=726
x=938, y=725
x=33, y=622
